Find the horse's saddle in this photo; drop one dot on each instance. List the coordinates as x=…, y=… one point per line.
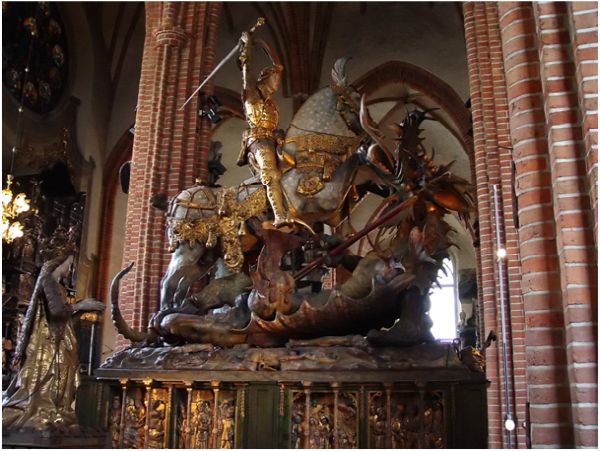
x=317, y=156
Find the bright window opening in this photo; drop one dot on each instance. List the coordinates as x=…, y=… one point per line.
x=443, y=304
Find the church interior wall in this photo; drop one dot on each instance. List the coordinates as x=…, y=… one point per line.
x=109, y=338
x=430, y=35
x=91, y=117
x=126, y=89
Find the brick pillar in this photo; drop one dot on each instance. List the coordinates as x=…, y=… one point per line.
x=166, y=149
x=583, y=30
x=544, y=336
x=493, y=167
x=550, y=90
x=486, y=269
x=572, y=214
x=205, y=127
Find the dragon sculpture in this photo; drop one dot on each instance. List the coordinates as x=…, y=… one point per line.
x=260, y=288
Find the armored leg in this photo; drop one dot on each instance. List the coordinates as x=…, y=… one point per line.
x=270, y=177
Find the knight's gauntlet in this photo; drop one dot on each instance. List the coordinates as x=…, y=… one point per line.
x=245, y=50
x=243, y=58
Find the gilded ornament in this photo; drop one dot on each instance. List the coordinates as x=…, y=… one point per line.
x=320, y=152
x=40, y=158
x=229, y=227
x=157, y=418
x=309, y=185
x=114, y=421
x=89, y=316
x=324, y=142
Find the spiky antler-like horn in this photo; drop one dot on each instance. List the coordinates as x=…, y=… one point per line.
x=371, y=128
x=369, y=125
x=122, y=327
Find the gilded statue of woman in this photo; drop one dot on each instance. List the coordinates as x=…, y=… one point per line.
x=42, y=393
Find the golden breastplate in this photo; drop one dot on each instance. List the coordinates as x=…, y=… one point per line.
x=262, y=114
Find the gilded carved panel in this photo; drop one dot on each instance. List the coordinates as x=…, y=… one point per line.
x=207, y=420
x=328, y=420
x=134, y=420
x=225, y=431
x=201, y=427
x=114, y=421
x=139, y=418
x=157, y=421
x=325, y=417
x=403, y=420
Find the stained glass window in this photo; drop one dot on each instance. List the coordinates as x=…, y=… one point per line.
x=33, y=34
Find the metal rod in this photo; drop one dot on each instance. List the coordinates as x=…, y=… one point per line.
x=500, y=264
x=259, y=23
x=214, y=71
x=148, y=385
x=91, y=353
x=421, y=436
x=167, y=419
x=388, y=414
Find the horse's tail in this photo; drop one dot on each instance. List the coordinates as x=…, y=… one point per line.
x=121, y=325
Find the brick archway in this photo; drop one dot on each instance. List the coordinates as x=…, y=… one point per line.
x=110, y=181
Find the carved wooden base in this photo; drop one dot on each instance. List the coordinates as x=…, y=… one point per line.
x=322, y=397
x=68, y=438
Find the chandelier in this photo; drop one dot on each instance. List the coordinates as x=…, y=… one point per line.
x=11, y=208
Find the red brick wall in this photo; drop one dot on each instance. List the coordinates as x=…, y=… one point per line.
x=546, y=365
x=548, y=86
x=583, y=30
x=493, y=167
x=574, y=223
x=166, y=149
x=205, y=131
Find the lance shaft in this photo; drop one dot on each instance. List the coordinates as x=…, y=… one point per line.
x=354, y=238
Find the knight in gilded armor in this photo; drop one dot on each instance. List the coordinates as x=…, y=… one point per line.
x=259, y=142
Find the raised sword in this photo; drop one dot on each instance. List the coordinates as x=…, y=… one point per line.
x=234, y=50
